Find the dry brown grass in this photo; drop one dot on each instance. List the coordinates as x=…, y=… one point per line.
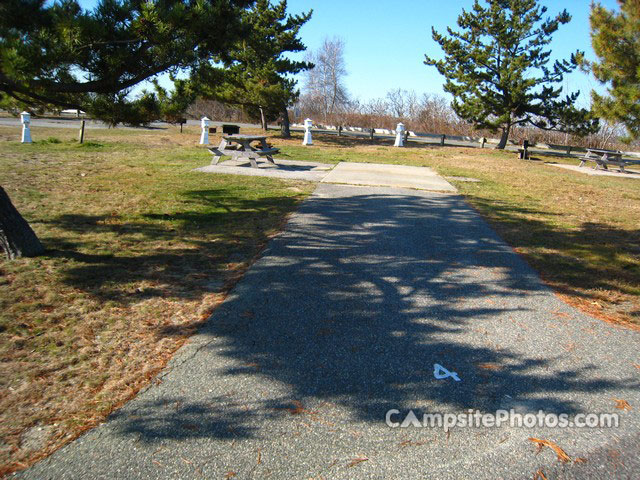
x=140, y=250
x=580, y=232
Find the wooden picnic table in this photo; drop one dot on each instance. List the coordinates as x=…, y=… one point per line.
x=602, y=158
x=240, y=146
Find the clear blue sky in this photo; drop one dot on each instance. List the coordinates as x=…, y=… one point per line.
x=385, y=42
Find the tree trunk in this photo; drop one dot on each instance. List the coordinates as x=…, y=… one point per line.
x=263, y=122
x=16, y=237
x=286, y=132
x=504, y=137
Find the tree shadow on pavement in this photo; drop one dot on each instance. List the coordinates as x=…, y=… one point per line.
x=359, y=299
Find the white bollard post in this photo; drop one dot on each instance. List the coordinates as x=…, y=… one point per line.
x=399, y=136
x=307, y=132
x=204, y=136
x=25, y=118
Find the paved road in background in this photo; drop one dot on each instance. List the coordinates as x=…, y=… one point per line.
x=75, y=123
x=343, y=319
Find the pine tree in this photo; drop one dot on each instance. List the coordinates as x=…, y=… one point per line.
x=256, y=75
x=616, y=41
x=497, y=69
x=173, y=105
x=56, y=53
x=17, y=239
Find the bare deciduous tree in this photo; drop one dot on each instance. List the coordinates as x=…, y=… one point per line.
x=377, y=107
x=396, y=99
x=216, y=111
x=435, y=115
x=608, y=134
x=403, y=104
x=325, y=92
x=432, y=113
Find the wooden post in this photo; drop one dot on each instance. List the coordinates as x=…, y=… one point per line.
x=263, y=120
x=483, y=140
x=406, y=136
x=81, y=134
x=568, y=150
x=442, y=140
x=371, y=133
x=339, y=130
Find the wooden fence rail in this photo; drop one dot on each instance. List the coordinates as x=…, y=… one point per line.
x=446, y=140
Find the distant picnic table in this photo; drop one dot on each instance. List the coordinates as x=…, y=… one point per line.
x=240, y=146
x=603, y=158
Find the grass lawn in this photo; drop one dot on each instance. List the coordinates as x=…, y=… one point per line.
x=140, y=251
x=580, y=232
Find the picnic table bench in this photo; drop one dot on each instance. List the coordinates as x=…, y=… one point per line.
x=240, y=146
x=602, y=158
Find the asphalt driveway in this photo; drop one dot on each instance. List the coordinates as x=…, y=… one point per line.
x=343, y=319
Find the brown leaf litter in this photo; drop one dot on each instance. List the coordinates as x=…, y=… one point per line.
x=357, y=461
x=562, y=455
x=622, y=404
x=539, y=475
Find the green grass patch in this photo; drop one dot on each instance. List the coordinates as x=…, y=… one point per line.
x=580, y=232
x=140, y=249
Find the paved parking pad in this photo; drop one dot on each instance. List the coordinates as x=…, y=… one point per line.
x=348, y=173
x=285, y=169
x=376, y=174
x=342, y=320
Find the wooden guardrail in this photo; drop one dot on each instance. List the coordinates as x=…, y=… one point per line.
x=451, y=140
